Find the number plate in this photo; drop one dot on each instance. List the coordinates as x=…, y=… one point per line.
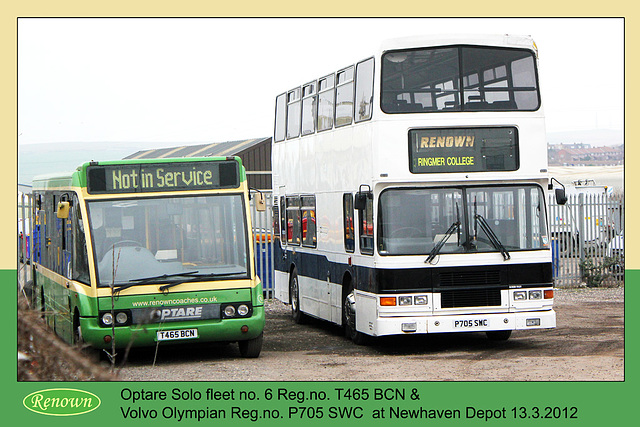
x=178, y=334
x=471, y=323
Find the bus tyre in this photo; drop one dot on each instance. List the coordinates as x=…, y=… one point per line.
x=349, y=320
x=294, y=293
x=77, y=331
x=251, y=348
x=498, y=335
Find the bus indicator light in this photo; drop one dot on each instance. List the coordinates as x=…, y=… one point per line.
x=548, y=294
x=388, y=301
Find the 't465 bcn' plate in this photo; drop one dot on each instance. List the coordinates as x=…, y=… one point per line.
x=178, y=334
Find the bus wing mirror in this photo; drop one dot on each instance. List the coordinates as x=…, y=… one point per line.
x=364, y=192
x=260, y=204
x=63, y=210
x=360, y=202
x=561, y=197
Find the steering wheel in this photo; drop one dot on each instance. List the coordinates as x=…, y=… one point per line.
x=407, y=232
x=127, y=243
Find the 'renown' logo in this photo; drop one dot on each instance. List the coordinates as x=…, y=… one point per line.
x=61, y=402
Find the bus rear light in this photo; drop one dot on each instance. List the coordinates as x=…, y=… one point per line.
x=548, y=294
x=244, y=329
x=388, y=301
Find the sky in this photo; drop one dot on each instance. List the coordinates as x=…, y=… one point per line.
x=167, y=81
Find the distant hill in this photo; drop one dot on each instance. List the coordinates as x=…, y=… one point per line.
x=36, y=159
x=596, y=137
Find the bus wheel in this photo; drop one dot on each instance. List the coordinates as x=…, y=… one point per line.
x=77, y=331
x=294, y=293
x=498, y=335
x=251, y=348
x=349, y=320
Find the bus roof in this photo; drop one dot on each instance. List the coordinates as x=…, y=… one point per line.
x=503, y=40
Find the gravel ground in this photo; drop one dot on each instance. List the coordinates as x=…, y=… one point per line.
x=587, y=345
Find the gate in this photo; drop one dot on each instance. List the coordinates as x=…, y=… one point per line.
x=587, y=239
x=263, y=242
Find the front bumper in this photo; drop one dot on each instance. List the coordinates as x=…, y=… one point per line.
x=463, y=323
x=146, y=335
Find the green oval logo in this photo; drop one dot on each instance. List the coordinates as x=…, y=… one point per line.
x=61, y=402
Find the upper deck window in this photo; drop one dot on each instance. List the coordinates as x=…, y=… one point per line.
x=459, y=78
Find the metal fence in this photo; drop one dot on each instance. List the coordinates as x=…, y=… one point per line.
x=587, y=238
x=263, y=242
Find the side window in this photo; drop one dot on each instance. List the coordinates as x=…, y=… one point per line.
x=364, y=90
x=281, y=118
x=283, y=221
x=344, y=97
x=80, y=267
x=308, y=210
x=366, y=228
x=326, y=100
x=309, y=108
x=275, y=212
x=293, y=220
x=348, y=222
x=293, y=113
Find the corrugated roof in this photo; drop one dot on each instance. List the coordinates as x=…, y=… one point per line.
x=230, y=148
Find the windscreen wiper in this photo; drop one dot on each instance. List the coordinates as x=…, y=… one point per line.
x=199, y=277
x=492, y=236
x=145, y=280
x=436, y=249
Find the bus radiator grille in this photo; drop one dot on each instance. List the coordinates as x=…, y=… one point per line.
x=471, y=298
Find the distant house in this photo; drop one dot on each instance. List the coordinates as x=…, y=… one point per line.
x=255, y=155
x=585, y=155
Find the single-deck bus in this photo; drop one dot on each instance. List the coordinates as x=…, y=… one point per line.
x=142, y=253
x=410, y=191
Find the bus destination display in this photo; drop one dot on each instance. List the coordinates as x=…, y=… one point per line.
x=463, y=150
x=155, y=177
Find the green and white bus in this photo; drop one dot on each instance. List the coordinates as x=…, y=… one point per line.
x=148, y=252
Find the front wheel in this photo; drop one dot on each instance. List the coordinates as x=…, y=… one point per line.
x=498, y=335
x=251, y=348
x=294, y=292
x=349, y=320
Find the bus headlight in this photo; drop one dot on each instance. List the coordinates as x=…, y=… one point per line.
x=405, y=300
x=107, y=319
x=520, y=295
x=117, y=318
x=122, y=318
x=243, y=310
x=535, y=294
x=420, y=300
x=229, y=311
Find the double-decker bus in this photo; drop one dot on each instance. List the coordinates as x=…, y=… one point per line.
x=409, y=191
x=148, y=252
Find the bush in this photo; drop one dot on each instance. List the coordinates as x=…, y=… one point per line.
x=594, y=272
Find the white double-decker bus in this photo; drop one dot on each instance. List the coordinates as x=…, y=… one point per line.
x=409, y=191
